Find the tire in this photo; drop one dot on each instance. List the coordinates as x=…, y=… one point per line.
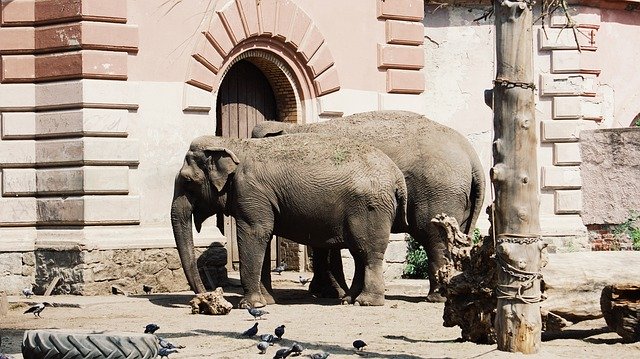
x=40, y=344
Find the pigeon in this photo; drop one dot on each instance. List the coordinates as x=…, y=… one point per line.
x=257, y=313
x=268, y=338
x=167, y=344
x=28, y=292
x=38, y=308
x=303, y=281
x=151, y=328
x=319, y=355
x=279, y=332
x=296, y=349
x=164, y=352
x=359, y=344
x=147, y=289
x=281, y=268
x=262, y=346
x=251, y=331
x=282, y=353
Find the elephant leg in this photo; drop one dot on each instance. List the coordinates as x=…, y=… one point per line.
x=372, y=292
x=435, y=246
x=266, y=288
x=358, y=279
x=252, y=244
x=328, y=275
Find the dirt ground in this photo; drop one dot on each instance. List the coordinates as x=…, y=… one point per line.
x=405, y=327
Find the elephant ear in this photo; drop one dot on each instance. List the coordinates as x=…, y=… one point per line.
x=220, y=163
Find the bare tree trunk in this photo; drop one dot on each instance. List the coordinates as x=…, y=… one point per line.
x=514, y=175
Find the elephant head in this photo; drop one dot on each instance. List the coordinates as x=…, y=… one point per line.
x=200, y=191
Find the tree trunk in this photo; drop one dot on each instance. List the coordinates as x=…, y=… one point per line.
x=620, y=305
x=514, y=176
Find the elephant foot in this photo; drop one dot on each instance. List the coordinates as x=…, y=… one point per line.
x=328, y=292
x=268, y=298
x=435, y=297
x=251, y=301
x=369, y=299
x=346, y=300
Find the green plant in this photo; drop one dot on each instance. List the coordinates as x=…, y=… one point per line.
x=631, y=229
x=476, y=236
x=417, y=262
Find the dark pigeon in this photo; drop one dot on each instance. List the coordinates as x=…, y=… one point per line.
x=251, y=331
x=359, y=344
x=262, y=346
x=296, y=349
x=269, y=338
x=151, y=328
x=164, y=352
x=279, y=332
x=257, y=313
x=282, y=353
x=147, y=289
x=303, y=281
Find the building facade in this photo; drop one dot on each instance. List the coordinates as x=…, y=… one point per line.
x=100, y=99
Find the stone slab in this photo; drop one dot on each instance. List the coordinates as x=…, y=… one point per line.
x=568, y=85
x=568, y=201
x=566, y=154
x=561, y=177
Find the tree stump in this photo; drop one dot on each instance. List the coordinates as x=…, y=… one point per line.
x=620, y=304
x=212, y=303
x=469, y=279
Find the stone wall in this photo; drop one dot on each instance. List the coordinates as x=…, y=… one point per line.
x=17, y=271
x=611, y=191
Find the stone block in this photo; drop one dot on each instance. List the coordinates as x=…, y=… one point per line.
x=18, y=125
x=565, y=131
x=400, y=57
x=230, y=16
x=17, y=97
x=80, y=93
x=83, y=180
x=88, y=150
x=82, y=64
x=311, y=43
x=19, y=12
x=105, y=11
x=564, y=39
x=109, y=36
x=396, y=252
x=327, y=82
x=393, y=271
x=581, y=18
x=299, y=27
x=566, y=154
x=286, y=11
x=404, y=32
x=572, y=61
x=200, y=76
x=18, y=68
x=18, y=211
x=17, y=153
x=568, y=201
x=207, y=54
x=17, y=40
x=249, y=10
x=10, y=264
x=89, y=210
x=28, y=259
x=18, y=182
x=196, y=99
x=401, y=9
x=405, y=81
x=320, y=61
x=561, y=177
x=578, y=107
x=568, y=85
x=219, y=37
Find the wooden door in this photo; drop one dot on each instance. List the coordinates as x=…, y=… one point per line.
x=245, y=98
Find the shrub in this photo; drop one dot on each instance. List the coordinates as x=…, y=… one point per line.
x=631, y=229
x=417, y=263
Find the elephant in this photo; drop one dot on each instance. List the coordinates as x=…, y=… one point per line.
x=442, y=171
x=309, y=188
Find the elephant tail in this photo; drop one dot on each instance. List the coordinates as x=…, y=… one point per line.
x=476, y=195
x=400, y=223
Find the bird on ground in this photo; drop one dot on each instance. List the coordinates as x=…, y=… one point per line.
x=281, y=268
x=27, y=292
x=282, y=353
x=303, y=281
x=279, y=332
x=319, y=355
x=251, y=331
x=147, y=289
x=38, y=308
x=262, y=346
x=167, y=344
x=359, y=344
x=257, y=313
x=164, y=352
x=269, y=338
x=151, y=328
x=296, y=349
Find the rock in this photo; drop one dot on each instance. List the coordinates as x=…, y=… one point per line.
x=212, y=303
x=620, y=305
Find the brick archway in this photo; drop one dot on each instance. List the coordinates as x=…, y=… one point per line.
x=279, y=38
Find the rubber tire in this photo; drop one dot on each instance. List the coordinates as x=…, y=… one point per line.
x=39, y=344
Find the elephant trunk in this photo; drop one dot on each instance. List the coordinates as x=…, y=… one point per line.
x=181, y=212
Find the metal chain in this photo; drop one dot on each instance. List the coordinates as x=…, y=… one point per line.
x=518, y=240
x=526, y=279
x=511, y=84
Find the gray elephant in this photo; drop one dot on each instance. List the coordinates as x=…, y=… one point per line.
x=442, y=171
x=326, y=194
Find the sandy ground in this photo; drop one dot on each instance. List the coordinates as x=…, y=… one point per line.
x=405, y=327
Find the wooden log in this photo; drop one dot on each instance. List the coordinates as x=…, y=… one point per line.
x=573, y=283
x=620, y=305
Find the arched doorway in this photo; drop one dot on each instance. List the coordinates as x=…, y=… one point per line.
x=245, y=98
x=254, y=89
